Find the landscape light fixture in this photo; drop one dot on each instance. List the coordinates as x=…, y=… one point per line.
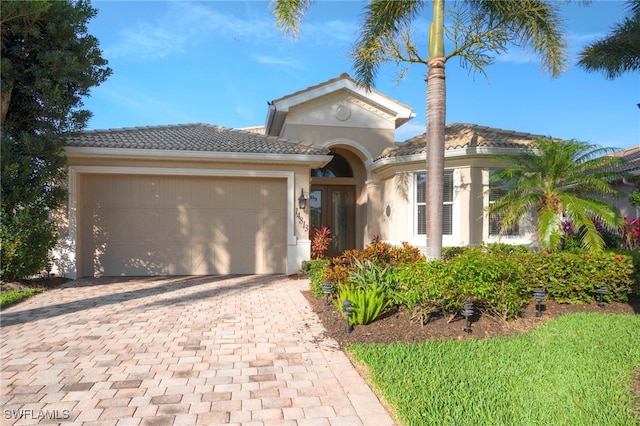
x=326, y=289
x=538, y=295
x=601, y=292
x=347, y=308
x=467, y=312
x=302, y=200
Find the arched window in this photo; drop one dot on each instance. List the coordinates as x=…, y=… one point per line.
x=338, y=167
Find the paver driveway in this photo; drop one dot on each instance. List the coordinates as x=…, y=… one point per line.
x=177, y=351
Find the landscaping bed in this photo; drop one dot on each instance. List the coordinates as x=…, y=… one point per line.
x=398, y=325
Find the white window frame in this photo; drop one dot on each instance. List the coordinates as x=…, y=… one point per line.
x=524, y=227
x=419, y=240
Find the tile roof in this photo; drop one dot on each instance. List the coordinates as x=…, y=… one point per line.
x=631, y=157
x=464, y=135
x=190, y=137
x=343, y=76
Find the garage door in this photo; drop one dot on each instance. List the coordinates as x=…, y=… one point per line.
x=176, y=225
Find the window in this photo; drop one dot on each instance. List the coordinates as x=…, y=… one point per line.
x=447, y=205
x=497, y=189
x=337, y=167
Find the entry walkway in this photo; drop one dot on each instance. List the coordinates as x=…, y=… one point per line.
x=243, y=350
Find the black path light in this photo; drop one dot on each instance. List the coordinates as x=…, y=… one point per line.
x=538, y=295
x=326, y=289
x=467, y=312
x=601, y=292
x=347, y=308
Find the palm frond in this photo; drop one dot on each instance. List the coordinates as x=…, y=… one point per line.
x=555, y=178
x=549, y=229
x=289, y=14
x=535, y=24
x=384, y=20
x=618, y=52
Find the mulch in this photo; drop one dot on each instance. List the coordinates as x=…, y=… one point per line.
x=398, y=325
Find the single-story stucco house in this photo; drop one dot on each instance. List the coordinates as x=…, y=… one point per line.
x=202, y=199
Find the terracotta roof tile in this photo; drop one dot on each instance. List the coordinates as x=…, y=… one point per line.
x=190, y=137
x=631, y=157
x=463, y=135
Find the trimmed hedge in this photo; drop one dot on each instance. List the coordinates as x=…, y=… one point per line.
x=498, y=278
x=574, y=277
x=502, y=285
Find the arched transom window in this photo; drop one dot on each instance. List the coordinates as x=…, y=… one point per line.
x=338, y=167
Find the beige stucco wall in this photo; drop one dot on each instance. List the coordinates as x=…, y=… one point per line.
x=341, y=116
x=622, y=203
x=396, y=188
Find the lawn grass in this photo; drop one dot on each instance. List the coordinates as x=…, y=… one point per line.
x=574, y=370
x=10, y=297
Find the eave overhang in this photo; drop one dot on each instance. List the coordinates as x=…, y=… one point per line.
x=314, y=161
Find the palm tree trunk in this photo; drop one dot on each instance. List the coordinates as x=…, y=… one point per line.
x=436, y=109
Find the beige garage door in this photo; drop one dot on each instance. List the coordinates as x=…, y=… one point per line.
x=173, y=225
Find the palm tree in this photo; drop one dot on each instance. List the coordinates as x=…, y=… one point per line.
x=619, y=51
x=562, y=181
x=479, y=29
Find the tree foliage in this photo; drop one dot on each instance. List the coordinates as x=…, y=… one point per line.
x=478, y=29
x=560, y=181
x=619, y=51
x=49, y=63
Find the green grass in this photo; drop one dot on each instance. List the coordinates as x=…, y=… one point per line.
x=10, y=297
x=574, y=370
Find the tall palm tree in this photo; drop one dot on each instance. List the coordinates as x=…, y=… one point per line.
x=561, y=181
x=479, y=29
x=619, y=51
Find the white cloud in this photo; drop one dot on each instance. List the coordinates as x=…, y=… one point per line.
x=272, y=60
x=409, y=130
x=146, y=42
x=516, y=55
x=331, y=31
x=186, y=22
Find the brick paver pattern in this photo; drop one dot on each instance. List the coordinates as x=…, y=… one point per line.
x=244, y=350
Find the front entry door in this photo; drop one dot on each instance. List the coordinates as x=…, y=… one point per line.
x=333, y=206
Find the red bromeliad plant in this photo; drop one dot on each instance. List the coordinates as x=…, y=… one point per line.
x=631, y=235
x=320, y=240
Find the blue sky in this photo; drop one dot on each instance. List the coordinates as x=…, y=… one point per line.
x=219, y=62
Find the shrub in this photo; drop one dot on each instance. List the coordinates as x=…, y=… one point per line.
x=449, y=253
x=367, y=274
x=418, y=287
x=574, y=277
x=320, y=241
x=316, y=269
x=381, y=254
x=26, y=237
x=368, y=303
x=495, y=282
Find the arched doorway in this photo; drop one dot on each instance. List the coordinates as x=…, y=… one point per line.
x=332, y=203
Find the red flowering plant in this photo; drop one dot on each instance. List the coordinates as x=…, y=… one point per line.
x=631, y=234
x=320, y=240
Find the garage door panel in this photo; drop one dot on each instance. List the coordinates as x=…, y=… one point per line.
x=142, y=259
x=177, y=225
